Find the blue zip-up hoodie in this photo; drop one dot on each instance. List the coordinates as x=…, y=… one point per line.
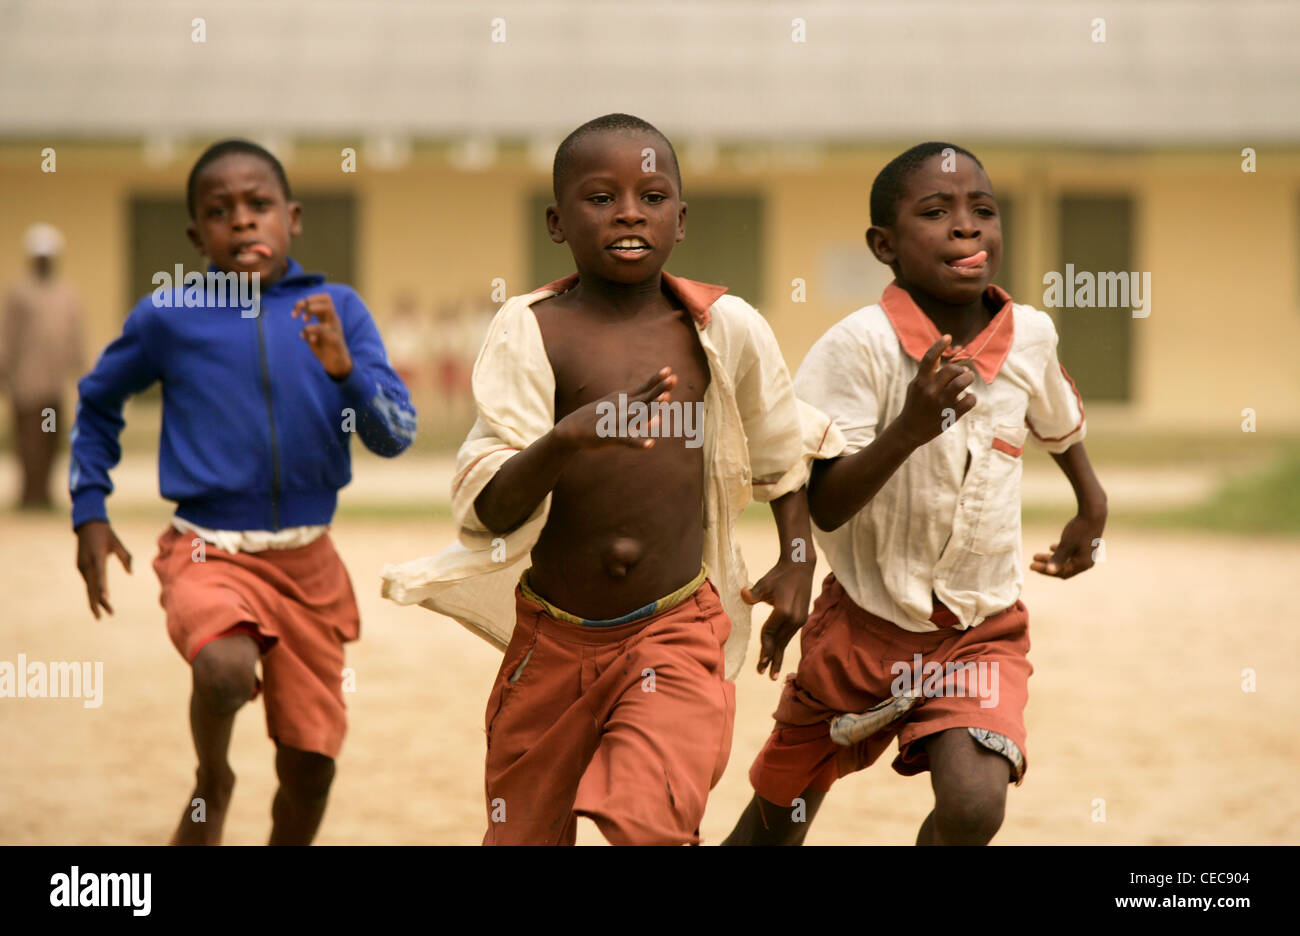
x=254, y=432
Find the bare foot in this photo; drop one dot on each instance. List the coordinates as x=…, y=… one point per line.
x=204, y=818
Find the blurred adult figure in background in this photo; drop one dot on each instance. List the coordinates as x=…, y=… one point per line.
x=40, y=348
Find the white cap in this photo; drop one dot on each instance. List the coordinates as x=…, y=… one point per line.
x=43, y=240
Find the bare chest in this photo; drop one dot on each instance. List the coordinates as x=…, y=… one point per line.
x=591, y=361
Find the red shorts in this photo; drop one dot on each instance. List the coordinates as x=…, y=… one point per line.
x=627, y=725
x=853, y=660
x=296, y=603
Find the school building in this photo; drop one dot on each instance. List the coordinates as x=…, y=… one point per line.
x=419, y=136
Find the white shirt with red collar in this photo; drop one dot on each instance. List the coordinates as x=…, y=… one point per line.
x=936, y=525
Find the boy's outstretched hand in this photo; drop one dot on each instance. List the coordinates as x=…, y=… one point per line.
x=95, y=540
x=933, y=403
x=587, y=426
x=1077, y=550
x=787, y=588
x=325, y=335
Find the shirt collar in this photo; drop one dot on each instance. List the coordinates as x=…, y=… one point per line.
x=697, y=297
x=916, y=333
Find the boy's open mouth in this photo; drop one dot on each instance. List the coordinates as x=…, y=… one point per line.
x=633, y=248
x=970, y=266
x=252, y=253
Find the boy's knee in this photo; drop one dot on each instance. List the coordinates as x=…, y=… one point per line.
x=225, y=674
x=970, y=814
x=304, y=775
x=765, y=823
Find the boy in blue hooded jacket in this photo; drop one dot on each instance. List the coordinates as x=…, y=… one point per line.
x=266, y=371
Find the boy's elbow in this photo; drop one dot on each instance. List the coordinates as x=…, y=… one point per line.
x=826, y=522
x=400, y=442
x=496, y=517
x=389, y=438
x=820, y=509
x=494, y=523
x=497, y=529
x=392, y=446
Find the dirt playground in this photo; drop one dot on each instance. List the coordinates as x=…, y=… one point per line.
x=1137, y=712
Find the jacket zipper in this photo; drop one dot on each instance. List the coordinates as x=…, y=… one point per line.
x=270, y=417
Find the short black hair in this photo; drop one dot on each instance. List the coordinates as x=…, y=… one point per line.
x=225, y=148
x=610, y=123
x=887, y=190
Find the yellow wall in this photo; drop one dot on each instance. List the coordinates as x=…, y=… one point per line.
x=1225, y=311
x=1223, y=246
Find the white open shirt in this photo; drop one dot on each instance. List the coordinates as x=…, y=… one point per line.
x=929, y=529
x=758, y=444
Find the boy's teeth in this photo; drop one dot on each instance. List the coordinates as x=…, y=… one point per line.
x=974, y=260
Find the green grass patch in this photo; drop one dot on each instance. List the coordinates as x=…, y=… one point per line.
x=1267, y=501
x=1223, y=450
x=1264, y=501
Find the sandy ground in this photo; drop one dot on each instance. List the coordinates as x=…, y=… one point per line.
x=1137, y=700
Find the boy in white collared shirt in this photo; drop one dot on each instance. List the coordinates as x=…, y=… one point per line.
x=935, y=389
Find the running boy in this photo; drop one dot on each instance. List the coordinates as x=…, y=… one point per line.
x=935, y=389
x=258, y=407
x=619, y=707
